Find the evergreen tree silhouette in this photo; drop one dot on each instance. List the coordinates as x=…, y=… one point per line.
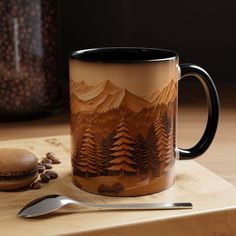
x=106, y=146
x=122, y=151
x=161, y=143
x=169, y=149
x=139, y=154
x=99, y=160
x=174, y=134
x=75, y=163
x=87, y=156
x=151, y=161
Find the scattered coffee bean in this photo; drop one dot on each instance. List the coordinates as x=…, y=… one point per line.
x=46, y=160
x=47, y=165
x=36, y=185
x=52, y=156
x=41, y=168
x=45, y=178
x=52, y=174
x=56, y=161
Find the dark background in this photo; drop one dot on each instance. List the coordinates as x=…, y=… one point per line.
x=203, y=32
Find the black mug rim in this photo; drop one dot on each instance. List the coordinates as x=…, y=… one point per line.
x=124, y=55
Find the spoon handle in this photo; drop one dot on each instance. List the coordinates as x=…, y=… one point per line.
x=141, y=206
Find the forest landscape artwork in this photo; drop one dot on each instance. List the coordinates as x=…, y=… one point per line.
x=123, y=143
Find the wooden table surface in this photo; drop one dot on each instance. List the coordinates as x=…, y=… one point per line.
x=220, y=158
x=213, y=199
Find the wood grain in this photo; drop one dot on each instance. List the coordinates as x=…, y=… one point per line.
x=213, y=198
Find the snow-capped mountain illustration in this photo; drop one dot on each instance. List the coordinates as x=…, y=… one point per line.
x=106, y=96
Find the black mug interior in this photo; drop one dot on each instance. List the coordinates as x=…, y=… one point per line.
x=124, y=55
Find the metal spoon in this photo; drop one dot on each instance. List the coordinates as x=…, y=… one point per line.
x=50, y=203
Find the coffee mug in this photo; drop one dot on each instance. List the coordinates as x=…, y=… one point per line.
x=123, y=119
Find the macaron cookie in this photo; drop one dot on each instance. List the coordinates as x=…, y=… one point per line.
x=18, y=168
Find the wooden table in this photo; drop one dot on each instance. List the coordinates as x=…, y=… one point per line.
x=213, y=198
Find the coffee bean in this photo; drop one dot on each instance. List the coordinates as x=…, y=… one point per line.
x=46, y=160
x=56, y=161
x=52, y=156
x=35, y=185
x=47, y=165
x=45, y=178
x=41, y=168
x=52, y=174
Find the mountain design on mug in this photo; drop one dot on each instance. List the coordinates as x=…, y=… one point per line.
x=106, y=96
x=122, y=139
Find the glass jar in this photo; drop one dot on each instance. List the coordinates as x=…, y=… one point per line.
x=29, y=58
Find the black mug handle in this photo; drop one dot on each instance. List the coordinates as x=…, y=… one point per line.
x=213, y=111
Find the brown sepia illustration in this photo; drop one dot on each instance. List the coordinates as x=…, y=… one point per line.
x=123, y=137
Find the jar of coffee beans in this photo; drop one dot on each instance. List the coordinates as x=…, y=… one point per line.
x=29, y=60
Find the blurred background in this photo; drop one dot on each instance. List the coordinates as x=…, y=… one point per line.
x=38, y=36
x=202, y=32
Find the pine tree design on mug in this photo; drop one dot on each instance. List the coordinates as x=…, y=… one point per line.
x=123, y=140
